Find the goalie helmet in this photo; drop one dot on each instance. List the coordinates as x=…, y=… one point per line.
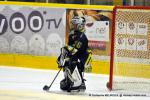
x=78, y=23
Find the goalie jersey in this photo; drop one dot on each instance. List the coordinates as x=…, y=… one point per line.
x=79, y=41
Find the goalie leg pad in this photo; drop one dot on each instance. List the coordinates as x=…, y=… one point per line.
x=65, y=84
x=68, y=82
x=73, y=78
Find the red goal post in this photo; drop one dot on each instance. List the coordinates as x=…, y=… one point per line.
x=130, y=49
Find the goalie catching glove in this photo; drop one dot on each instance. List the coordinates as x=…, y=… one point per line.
x=63, y=58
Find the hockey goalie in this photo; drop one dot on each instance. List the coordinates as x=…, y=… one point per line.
x=74, y=57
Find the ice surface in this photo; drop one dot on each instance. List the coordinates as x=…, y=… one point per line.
x=32, y=81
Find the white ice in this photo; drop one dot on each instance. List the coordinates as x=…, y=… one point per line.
x=25, y=79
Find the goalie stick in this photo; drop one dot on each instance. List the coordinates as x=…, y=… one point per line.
x=46, y=87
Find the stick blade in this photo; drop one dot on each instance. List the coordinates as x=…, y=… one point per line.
x=45, y=88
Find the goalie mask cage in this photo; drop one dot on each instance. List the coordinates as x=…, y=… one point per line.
x=130, y=49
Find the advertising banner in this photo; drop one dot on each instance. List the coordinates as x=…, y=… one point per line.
x=97, y=28
x=32, y=30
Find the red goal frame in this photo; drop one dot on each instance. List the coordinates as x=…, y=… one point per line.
x=110, y=83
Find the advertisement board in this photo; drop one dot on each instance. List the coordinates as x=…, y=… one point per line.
x=32, y=30
x=97, y=28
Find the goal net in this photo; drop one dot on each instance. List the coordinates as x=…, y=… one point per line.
x=130, y=49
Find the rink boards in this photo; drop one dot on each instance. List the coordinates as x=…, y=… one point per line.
x=22, y=57
x=45, y=62
x=100, y=64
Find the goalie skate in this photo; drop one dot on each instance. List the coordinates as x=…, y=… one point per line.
x=81, y=88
